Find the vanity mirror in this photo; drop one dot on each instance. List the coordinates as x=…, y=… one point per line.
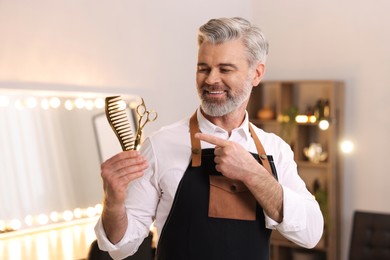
x=50, y=154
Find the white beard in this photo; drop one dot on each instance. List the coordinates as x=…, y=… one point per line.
x=216, y=109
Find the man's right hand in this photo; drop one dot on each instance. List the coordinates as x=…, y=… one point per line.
x=117, y=172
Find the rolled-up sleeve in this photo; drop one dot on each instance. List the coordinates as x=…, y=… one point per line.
x=127, y=246
x=302, y=219
x=303, y=222
x=141, y=202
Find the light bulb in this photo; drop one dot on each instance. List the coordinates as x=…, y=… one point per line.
x=29, y=220
x=67, y=215
x=68, y=104
x=31, y=102
x=99, y=103
x=79, y=103
x=77, y=212
x=91, y=212
x=99, y=208
x=346, y=146
x=55, y=102
x=324, y=124
x=54, y=216
x=301, y=119
x=15, y=224
x=43, y=219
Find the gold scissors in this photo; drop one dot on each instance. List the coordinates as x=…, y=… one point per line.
x=145, y=116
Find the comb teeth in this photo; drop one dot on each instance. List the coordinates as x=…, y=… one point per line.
x=119, y=122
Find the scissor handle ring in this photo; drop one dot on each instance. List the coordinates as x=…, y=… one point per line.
x=152, y=115
x=141, y=109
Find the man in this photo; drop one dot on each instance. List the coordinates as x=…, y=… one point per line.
x=201, y=179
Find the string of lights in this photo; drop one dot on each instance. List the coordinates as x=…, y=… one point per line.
x=50, y=218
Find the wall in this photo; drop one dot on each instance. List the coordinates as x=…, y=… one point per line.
x=143, y=47
x=348, y=41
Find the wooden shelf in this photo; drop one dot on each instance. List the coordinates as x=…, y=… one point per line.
x=301, y=97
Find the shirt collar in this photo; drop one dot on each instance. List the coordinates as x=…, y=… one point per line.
x=206, y=126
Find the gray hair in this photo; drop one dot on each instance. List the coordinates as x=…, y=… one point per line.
x=222, y=30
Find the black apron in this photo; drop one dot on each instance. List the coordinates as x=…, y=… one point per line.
x=213, y=217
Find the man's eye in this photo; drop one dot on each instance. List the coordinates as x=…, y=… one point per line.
x=203, y=70
x=225, y=70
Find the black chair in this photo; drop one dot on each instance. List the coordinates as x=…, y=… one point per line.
x=370, y=236
x=145, y=251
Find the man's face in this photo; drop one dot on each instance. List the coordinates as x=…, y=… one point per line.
x=224, y=79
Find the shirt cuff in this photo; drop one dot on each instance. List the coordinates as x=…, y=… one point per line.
x=106, y=245
x=294, y=213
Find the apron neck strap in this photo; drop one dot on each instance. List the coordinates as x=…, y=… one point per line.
x=196, y=150
x=260, y=150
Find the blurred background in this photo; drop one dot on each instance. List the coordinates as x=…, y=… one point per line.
x=90, y=49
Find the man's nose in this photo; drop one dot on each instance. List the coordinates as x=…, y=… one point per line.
x=213, y=77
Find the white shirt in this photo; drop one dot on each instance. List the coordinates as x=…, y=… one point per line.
x=168, y=152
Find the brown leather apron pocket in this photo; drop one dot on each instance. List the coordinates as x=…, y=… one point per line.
x=230, y=199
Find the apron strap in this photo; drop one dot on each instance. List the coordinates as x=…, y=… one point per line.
x=196, y=150
x=260, y=150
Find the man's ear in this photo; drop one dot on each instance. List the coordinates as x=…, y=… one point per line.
x=259, y=73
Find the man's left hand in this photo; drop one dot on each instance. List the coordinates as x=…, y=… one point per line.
x=231, y=159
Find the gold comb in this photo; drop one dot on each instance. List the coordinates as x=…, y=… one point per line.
x=119, y=122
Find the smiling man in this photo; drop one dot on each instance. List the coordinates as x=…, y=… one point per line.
x=206, y=180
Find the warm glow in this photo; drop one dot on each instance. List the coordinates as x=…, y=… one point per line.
x=99, y=103
x=43, y=252
x=78, y=213
x=47, y=102
x=89, y=104
x=99, y=208
x=67, y=215
x=55, y=102
x=283, y=118
x=91, y=212
x=43, y=219
x=301, y=119
x=79, y=103
x=66, y=242
x=54, y=216
x=312, y=119
x=133, y=105
x=31, y=102
x=15, y=224
x=346, y=146
x=324, y=124
x=68, y=104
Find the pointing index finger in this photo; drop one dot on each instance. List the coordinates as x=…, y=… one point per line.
x=211, y=139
